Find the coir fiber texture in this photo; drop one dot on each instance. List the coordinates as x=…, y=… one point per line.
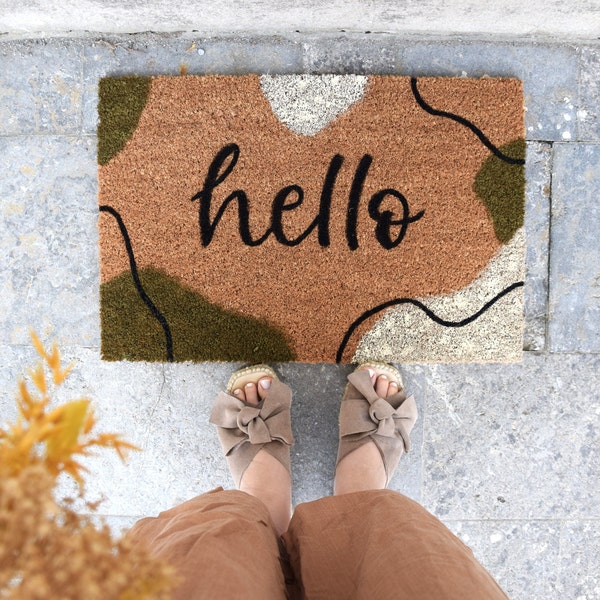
x=311, y=218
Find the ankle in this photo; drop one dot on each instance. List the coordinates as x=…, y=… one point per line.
x=359, y=471
x=269, y=481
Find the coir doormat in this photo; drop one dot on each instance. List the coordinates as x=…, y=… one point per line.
x=311, y=218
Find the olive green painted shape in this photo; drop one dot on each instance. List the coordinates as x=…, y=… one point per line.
x=501, y=186
x=201, y=331
x=121, y=101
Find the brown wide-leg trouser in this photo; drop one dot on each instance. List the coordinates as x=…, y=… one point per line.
x=367, y=545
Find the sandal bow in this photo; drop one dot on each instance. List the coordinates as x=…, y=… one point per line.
x=244, y=423
x=382, y=413
x=388, y=417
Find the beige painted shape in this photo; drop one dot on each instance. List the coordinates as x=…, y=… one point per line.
x=405, y=333
x=308, y=103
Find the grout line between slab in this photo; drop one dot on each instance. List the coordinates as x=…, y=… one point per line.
x=548, y=251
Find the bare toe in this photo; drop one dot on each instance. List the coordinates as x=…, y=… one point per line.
x=251, y=393
x=264, y=385
x=392, y=388
x=239, y=393
x=381, y=386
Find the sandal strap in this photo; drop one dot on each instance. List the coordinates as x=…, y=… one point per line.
x=244, y=429
x=365, y=416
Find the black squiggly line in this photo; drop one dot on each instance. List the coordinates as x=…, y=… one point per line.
x=441, y=113
x=369, y=313
x=138, y=284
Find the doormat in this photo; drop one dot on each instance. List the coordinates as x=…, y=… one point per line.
x=311, y=218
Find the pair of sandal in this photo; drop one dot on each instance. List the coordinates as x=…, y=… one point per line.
x=244, y=429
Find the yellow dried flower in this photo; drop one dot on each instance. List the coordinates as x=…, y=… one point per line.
x=52, y=437
x=46, y=549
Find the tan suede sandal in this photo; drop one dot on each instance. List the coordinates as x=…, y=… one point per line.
x=244, y=429
x=364, y=416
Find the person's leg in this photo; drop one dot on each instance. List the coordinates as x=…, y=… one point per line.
x=380, y=544
x=225, y=544
x=265, y=477
x=363, y=468
x=222, y=544
x=367, y=542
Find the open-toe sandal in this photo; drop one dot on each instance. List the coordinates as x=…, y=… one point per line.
x=244, y=429
x=364, y=416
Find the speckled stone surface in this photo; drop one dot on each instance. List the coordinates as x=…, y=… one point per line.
x=341, y=54
x=506, y=455
x=522, y=555
x=579, y=551
x=48, y=235
x=40, y=87
x=483, y=425
x=538, y=174
x=575, y=258
x=589, y=91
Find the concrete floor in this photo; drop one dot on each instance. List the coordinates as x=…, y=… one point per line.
x=506, y=455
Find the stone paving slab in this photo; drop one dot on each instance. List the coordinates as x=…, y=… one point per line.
x=48, y=237
x=40, y=87
x=538, y=175
x=589, y=92
x=579, y=551
x=47, y=92
x=493, y=430
x=350, y=54
x=522, y=555
x=574, y=320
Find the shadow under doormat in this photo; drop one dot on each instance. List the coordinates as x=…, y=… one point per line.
x=311, y=218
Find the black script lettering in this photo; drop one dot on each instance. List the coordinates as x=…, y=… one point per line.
x=354, y=199
x=213, y=178
x=224, y=163
x=385, y=220
x=321, y=221
x=279, y=206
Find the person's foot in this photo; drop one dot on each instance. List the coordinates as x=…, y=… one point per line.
x=266, y=478
x=363, y=468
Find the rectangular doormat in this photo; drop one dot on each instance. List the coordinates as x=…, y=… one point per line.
x=311, y=218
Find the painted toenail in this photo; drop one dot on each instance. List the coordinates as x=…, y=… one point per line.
x=237, y=392
x=265, y=384
x=371, y=372
x=383, y=377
